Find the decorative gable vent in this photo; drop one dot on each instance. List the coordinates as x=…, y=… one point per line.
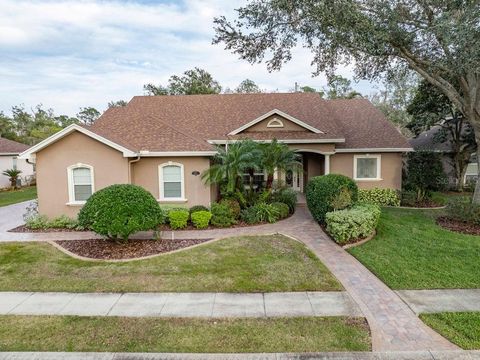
x=275, y=123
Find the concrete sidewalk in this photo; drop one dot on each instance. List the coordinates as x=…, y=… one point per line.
x=434, y=301
x=179, y=304
x=404, y=355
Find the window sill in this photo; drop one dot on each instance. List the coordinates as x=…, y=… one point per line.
x=172, y=200
x=368, y=179
x=76, y=203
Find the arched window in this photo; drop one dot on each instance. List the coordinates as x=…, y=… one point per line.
x=171, y=181
x=80, y=183
x=275, y=123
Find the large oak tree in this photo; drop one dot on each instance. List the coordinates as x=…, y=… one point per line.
x=438, y=39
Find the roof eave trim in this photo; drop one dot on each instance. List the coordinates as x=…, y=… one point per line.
x=9, y=153
x=68, y=130
x=285, y=141
x=374, y=150
x=282, y=114
x=176, y=153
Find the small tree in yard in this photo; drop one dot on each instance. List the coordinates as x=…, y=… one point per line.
x=13, y=175
x=424, y=173
x=118, y=211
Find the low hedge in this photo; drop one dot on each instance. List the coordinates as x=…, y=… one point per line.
x=323, y=192
x=462, y=209
x=222, y=215
x=380, y=197
x=282, y=208
x=178, y=218
x=196, y=208
x=357, y=222
x=201, y=219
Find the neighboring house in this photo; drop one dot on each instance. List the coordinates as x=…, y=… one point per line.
x=164, y=143
x=427, y=141
x=9, y=151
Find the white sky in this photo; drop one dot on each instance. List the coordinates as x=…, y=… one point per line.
x=71, y=54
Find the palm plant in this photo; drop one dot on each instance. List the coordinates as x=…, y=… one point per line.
x=231, y=162
x=278, y=157
x=12, y=175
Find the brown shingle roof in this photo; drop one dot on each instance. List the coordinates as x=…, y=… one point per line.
x=186, y=123
x=11, y=147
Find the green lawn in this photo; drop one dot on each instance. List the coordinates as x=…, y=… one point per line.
x=69, y=333
x=13, y=197
x=462, y=328
x=411, y=252
x=241, y=264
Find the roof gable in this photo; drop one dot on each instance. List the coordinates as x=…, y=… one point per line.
x=68, y=130
x=272, y=113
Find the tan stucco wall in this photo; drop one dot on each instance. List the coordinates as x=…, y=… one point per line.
x=110, y=167
x=145, y=174
x=287, y=125
x=391, y=169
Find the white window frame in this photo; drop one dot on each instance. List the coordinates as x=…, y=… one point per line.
x=467, y=174
x=368, y=156
x=160, y=182
x=275, y=123
x=71, y=187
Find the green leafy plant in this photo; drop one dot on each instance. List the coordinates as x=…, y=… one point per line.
x=201, y=219
x=37, y=222
x=118, y=211
x=342, y=200
x=461, y=208
x=287, y=196
x=222, y=215
x=351, y=224
x=63, y=222
x=424, y=174
x=178, y=218
x=196, y=208
x=233, y=205
x=265, y=212
x=322, y=190
x=12, y=175
x=282, y=209
x=380, y=197
x=250, y=215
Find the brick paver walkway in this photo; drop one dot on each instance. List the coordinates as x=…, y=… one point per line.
x=394, y=326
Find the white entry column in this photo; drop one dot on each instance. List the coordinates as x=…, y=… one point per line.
x=327, y=164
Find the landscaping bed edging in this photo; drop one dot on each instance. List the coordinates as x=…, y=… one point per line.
x=360, y=242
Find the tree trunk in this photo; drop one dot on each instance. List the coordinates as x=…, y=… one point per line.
x=476, y=194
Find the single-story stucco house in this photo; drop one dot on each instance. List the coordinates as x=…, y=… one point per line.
x=9, y=152
x=164, y=143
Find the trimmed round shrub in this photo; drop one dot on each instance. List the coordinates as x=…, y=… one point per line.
x=287, y=196
x=118, y=211
x=201, y=219
x=282, y=209
x=222, y=215
x=322, y=193
x=196, y=208
x=233, y=205
x=351, y=224
x=178, y=218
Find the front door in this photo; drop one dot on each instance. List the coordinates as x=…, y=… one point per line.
x=294, y=179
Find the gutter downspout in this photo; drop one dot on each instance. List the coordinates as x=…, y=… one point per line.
x=130, y=162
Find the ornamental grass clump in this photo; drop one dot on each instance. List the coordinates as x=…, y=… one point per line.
x=118, y=211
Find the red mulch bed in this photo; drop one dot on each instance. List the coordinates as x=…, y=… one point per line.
x=458, y=226
x=111, y=250
x=24, y=229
